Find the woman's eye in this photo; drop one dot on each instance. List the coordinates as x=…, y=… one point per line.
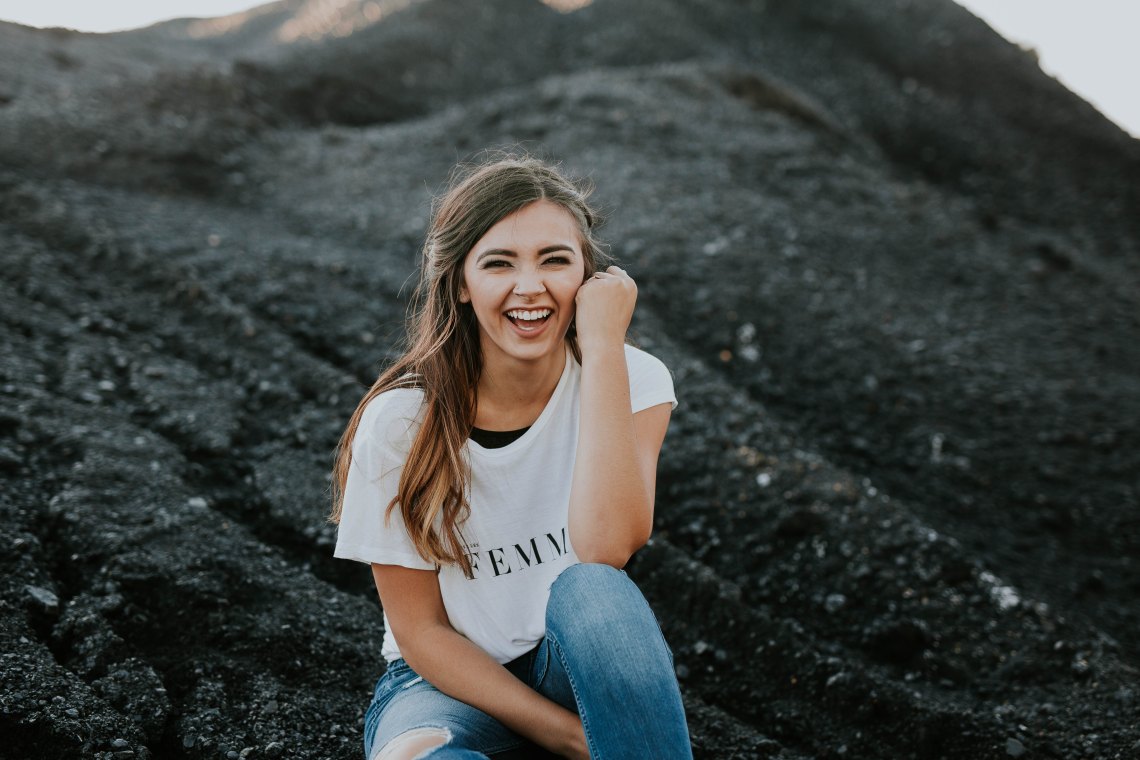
x=557, y=260
x=496, y=263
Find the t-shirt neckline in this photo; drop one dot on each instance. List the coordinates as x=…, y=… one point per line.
x=524, y=440
x=500, y=438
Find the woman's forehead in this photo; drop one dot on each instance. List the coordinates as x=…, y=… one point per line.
x=535, y=226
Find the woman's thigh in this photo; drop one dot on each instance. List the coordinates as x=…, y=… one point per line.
x=404, y=702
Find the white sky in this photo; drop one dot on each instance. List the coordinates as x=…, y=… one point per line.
x=114, y=15
x=1088, y=45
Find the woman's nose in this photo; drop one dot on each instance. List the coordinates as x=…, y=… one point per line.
x=529, y=284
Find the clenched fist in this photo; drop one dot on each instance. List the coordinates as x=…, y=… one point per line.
x=604, y=307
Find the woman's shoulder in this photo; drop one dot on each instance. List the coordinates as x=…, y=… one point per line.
x=637, y=358
x=650, y=381
x=390, y=416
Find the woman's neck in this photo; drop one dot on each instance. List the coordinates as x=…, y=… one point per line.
x=511, y=395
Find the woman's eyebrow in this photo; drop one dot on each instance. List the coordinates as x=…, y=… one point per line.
x=507, y=252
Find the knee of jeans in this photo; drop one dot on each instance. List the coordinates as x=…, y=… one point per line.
x=587, y=574
x=589, y=590
x=413, y=744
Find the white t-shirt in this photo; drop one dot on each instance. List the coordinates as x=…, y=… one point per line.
x=516, y=536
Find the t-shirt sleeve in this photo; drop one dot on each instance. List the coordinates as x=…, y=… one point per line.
x=373, y=477
x=650, y=382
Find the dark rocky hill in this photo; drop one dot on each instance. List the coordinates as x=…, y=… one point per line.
x=892, y=264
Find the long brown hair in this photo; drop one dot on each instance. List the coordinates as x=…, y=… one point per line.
x=442, y=355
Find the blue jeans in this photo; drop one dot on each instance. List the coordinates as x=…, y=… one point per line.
x=603, y=656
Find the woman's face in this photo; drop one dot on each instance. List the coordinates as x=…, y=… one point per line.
x=521, y=278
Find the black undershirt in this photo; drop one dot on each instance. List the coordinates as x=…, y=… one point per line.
x=495, y=439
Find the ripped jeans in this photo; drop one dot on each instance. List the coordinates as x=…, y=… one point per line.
x=603, y=656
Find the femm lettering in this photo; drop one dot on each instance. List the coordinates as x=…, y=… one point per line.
x=530, y=553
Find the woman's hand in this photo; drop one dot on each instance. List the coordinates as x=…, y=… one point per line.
x=570, y=741
x=604, y=307
x=565, y=736
x=573, y=745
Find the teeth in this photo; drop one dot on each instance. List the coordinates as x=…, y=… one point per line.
x=529, y=315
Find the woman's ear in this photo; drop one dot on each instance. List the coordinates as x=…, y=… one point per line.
x=464, y=296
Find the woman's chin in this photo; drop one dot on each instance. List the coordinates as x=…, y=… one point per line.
x=551, y=344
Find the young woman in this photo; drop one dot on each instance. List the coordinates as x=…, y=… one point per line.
x=497, y=477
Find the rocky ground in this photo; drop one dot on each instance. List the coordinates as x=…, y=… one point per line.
x=890, y=262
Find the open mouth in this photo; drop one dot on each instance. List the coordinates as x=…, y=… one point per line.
x=529, y=319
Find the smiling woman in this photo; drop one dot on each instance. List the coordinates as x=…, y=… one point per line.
x=497, y=477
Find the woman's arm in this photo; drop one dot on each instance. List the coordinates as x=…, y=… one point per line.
x=459, y=668
x=615, y=469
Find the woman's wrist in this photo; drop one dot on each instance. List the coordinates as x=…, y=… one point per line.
x=602, y=345
x=571, y=740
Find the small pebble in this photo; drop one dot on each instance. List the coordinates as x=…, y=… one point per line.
x=71, y=712
x=9, y=459
x=1014, y=748
x=44, y=599
x=119, y=744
